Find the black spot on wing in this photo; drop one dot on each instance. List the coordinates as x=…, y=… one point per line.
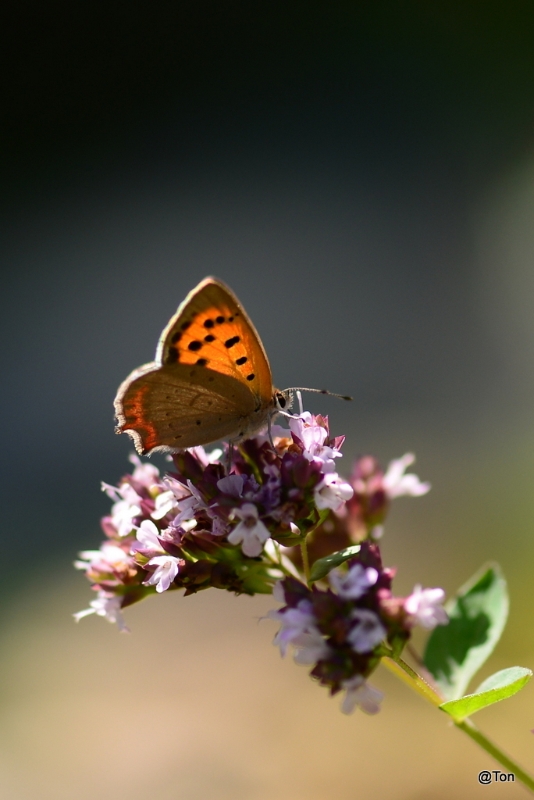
x=231, y=342
x=241, y=361
x=194, y=345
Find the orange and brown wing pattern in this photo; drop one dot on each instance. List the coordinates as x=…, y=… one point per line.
x=211, y=378
x=168, y=408
x=212, y=330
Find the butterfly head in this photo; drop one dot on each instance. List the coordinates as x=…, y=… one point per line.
x=283, y=399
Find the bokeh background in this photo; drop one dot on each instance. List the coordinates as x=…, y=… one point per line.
x=362, y=175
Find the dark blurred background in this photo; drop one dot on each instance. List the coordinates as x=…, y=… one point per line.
x=362, y=175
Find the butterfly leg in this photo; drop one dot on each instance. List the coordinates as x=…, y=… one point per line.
x=269, y=431
x=229, y=457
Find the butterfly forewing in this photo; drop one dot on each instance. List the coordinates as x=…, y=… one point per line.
x=211, y=329
x=211, y=378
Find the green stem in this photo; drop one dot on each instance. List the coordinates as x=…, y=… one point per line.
x=418, y=684
x=403, y=671
x=468, y=727
x=305, y=560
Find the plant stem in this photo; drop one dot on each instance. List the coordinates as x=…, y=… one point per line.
x=305, y=560
x=403, y=671
x=468, y=727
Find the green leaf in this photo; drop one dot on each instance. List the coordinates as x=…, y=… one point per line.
x=322, y=566
x=287, y=540
x=477, y=615
x=499, y=686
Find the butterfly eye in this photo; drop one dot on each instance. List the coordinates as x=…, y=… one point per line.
x=280, y=399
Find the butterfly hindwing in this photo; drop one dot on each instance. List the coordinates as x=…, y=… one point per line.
x=168, y=408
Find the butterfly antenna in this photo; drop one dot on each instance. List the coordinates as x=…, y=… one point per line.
x=318, y=391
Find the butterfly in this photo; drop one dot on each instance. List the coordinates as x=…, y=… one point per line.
x=210, y=380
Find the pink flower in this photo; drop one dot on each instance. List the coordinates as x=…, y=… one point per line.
x=360, y=693
x=368, y=631
x=108, y=559
x=169, y=500
x=107, y=606
x=232, y=485
x=145, y=474
x=148, y=539
x=353, y=584
x=164, y=503
x=310, y=648
x=166, y=571
x=332, y=492
x=296, y=622
x=213, y=457
x=251, y=533
x=313, y=435
x=126, y=508
x=397, y=484
x=425, y=609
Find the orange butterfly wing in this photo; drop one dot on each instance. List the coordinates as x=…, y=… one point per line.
x=211, y=378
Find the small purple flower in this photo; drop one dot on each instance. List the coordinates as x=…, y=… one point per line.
x=310, y=648
x=112, y=564
x=110, y=557
x=332, y=492
x=166, y=571
x=360, y=694
x=353, y=584
x=312, y=433
x=107, y=606
x=213, y=457
x=125, y=509
x=232, y=485
x=165, y=503
x=187, y=509
x=424, y=607
x=250, y=533
x=296, y=623
x=148, y=542
x=145, y=474
x=367, y=632
x=374, y=491
x=398, y=484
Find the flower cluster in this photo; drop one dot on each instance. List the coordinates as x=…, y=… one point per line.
x=344, y=629
x=206, y=522
x=252, y=519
